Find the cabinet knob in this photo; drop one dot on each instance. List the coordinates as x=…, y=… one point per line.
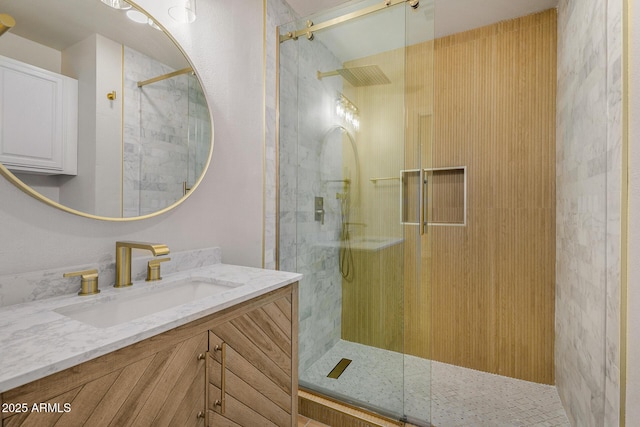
x=200, y=414
x=202, y=356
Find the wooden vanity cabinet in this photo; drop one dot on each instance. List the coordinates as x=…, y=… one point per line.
x=174, y=379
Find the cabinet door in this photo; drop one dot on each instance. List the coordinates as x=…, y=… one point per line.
x=166, y=388
x=38, y=119
x=250, y=369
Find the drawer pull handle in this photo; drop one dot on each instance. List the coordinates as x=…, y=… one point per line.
x=222, y=348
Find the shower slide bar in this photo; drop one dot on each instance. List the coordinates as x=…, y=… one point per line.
x=311, y=27
x=165, y=76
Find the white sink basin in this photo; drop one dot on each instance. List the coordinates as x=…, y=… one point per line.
x=132, y=303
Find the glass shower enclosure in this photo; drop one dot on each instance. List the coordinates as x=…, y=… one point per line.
x=167, y=133
x=355, y=100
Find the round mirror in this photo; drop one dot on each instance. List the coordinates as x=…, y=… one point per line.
x=101, y=114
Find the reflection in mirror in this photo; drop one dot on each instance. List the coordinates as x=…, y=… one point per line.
x=144, y=133
x=166, y=133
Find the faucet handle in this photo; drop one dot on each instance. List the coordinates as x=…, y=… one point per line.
x=153, y=268
x=88, y=282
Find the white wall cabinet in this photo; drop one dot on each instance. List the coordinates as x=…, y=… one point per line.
x=38, y=119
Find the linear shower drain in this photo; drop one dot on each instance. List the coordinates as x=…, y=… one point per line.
x=339, y=368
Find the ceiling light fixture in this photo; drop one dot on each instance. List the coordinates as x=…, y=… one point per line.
x=137, y=16
x=153, y=24
x=6, y=23
x=347, y=112
x=117, y=4
x=184, y=12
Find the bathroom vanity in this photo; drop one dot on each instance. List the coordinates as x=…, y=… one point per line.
x=229, y=358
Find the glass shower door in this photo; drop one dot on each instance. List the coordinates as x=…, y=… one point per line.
x=351, y=120
x=419, y=96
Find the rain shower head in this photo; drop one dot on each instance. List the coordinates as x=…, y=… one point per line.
x=6, y=23
x=369, y=75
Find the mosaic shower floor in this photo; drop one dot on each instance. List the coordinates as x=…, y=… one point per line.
x=461, y=397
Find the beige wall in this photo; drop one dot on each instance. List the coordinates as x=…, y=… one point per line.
x=33, y=53
x=96, y=63
x=225, y=45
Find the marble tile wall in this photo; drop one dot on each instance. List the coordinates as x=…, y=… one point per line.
x=37, y=285
x=309, y=158
x=614, y=210
x=588, y=210
x=160, y=121
x=278, y=12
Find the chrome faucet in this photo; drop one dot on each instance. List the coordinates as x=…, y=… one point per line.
x=123, y=259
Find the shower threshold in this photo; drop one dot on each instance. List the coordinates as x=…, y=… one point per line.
x=331, y=411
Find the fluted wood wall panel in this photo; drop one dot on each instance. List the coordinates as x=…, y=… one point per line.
x=492, y=282
x=485, y=99
x=372, y=312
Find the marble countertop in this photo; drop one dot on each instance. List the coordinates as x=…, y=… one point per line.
x=36, y=341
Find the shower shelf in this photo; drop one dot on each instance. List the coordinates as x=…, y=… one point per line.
x=389, y=178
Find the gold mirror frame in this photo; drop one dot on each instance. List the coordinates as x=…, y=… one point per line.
x=31, y=192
